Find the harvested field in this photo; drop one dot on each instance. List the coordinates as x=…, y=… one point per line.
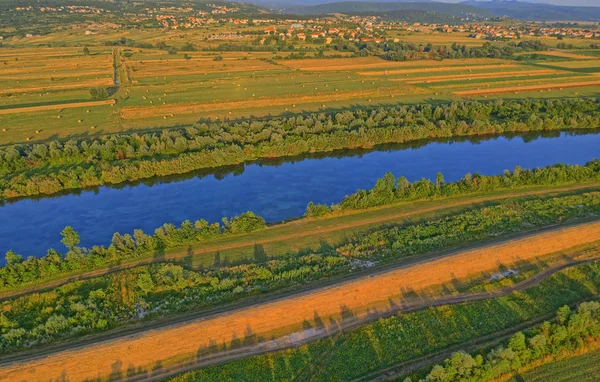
x=82, y=85
x=560, y=53
x=349, y=301
x=353, y=64
x=56, y=107
x=283, y=101
x=460, y=77
x=196, y=66
x=468, y=93
x=436, y=69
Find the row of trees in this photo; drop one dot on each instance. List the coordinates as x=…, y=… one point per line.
x=388, y=189
x=47, y=168
x=156, y=290
x=568, y=333
x=18, y=271
x=405, y=51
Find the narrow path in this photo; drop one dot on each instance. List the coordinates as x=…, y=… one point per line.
x=396, y=370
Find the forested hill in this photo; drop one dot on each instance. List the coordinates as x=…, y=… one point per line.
x=347, y=7
x=530, y=11
x=417, y=16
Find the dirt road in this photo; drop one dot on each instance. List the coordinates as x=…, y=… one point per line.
x=280, y=323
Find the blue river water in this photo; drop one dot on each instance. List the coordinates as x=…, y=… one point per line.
x=276, y=190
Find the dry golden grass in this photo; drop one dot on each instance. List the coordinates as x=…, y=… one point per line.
x=526, y=88
x=141, y=112
x=32, y=109
x=437, y=69
x=559, y=53
x=78, y=85
x=577, y=64
x=418, y=80
x=353, y=64
x=199, y=66
x=288, y=315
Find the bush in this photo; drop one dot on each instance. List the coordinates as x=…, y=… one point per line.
x=99, y=93
x=245, y=223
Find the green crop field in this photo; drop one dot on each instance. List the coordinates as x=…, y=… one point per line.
x=584, y=368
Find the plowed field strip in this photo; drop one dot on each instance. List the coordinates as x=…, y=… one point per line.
x=527, y=88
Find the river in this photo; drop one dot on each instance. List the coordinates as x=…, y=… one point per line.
x=276, y=190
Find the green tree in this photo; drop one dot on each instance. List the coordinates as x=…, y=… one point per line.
x=70, y=237
x=439, y=179
x=12, y=258
x=99, y=93
x=86, y=51
x=145, y=283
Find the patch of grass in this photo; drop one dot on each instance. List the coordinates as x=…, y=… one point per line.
x=582, y=368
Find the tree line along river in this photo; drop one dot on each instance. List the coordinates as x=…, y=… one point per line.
x=276, y=190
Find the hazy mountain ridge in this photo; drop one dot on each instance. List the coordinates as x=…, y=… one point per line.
x=537, y=11
x=363, y=7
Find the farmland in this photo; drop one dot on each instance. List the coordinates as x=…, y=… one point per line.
x=153, y=343
x=214, y=86
x=582, y=367
x=443, y=258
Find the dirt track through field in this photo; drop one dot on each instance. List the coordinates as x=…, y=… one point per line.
x=349, y=301
x=32, y=109
x=526, y=88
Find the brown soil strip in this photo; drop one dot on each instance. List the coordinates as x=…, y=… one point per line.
x=350, y=301
x=32, y=109
x=438, y=69
x=79, y=85
x=527, y=88
x=418, y=80
x=559, y=53
x=353, y=64
x=284, y=101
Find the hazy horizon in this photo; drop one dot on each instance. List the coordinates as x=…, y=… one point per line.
x=588, y=3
